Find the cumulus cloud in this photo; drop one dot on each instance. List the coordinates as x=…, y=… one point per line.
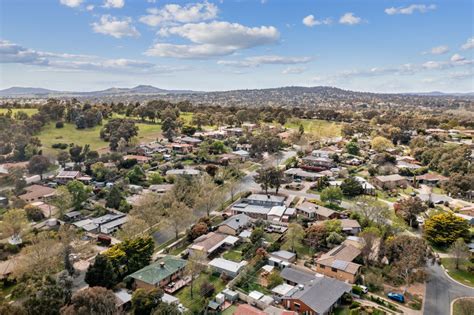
x=438, y=50
x=212, y=39
x=109, y=25
x=422, y=8
x=469, y=44
x=90, y=7
x=114, y=4
x=311, y=21
x=256, y=61
x=71, y=3
x=294, y=70
x=350, y=19
x=14, y=53
x=173, y=13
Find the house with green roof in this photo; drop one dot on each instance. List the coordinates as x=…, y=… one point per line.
x=160, y=273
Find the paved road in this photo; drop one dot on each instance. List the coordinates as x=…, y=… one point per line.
x=441, y=291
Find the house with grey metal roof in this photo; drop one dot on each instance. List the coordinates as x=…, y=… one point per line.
x=320, y=296
x=295, y=276
x=235, y=224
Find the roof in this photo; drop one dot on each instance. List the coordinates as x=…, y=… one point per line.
x=68, y=174
x=169, y=299
x=159, y=270
x=322, y=294
x=310, y=207
x=136, y=157
x=122, y=297
x=349, y=224
x=346, y=266
x=390, y=178
x=297, y=276
x=343, y=252
x=277, y=211
x=185, y=171
x=283, y=254
x=227, y=265
x=245, y=309
x=244, y=207
x=263, y=197
x=212, y=241
x=431, y=176
x=237, y=221
x=37, y=191
x=282, y=289
x=302, y=173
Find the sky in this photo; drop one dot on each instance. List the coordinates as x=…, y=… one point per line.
x=371, y=45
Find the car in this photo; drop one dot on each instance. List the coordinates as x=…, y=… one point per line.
x=365, y=290
x=396, y=297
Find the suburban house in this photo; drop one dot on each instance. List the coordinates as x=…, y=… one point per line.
x=160, y=188
x=159, y=274
x=228, y=267
x=320, y=296
x=105, y=224
x=140, y=158
x=312, y=211
x=37, y=193
x=369, y=189
x=183, y=172
x=317, y=163
x=337, y=263
x=258, y=206
x=350, y=226
x=390, y=181
x=430, y=179
x=211, y=242
x=294, y=276
x=325, y=152
x=181, y=148
x=66, y=176
x=234, y=225
x=152, y=148
x=298, y=173
x=281, y=258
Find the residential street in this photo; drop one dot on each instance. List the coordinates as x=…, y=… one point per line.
x=441, y=291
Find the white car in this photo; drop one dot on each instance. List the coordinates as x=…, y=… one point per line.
x=364, y=289
x=420, y=220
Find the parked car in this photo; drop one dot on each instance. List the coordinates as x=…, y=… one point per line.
x=396, y=297
x=365, y=290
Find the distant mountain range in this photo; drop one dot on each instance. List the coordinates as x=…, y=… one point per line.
x=38, y=92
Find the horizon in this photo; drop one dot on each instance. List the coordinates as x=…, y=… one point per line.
x=384, y=47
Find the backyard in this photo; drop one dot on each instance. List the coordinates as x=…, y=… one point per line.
x=197, y=302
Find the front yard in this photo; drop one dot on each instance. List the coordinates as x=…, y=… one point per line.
x=462, y=275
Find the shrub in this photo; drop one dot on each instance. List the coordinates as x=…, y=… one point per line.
x=59, y=124
x=207, y=289
x=354, y=305
x=61, y=146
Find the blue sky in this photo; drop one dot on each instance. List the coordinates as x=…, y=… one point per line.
x=376, y=45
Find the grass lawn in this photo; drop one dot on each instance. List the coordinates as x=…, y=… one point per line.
x=383, y=195
x=234, y=254
x=184, y=295
x=458, y=308
x=301, y=249
x=29, y=111
x=462, y=275
x=318, y=127
x=69, y=134
x=176, y=251
x=342, y=310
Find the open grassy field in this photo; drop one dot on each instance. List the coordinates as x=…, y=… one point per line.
x=69, y=134
x=316, y=127
x=29, y=111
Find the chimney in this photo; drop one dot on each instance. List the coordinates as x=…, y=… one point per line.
x=162, y=264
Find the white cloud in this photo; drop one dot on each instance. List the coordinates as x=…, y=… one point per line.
x=457, y=58
x=256, y=61
x=294, y=70
x=438, y=50
x=469, y=44
x=310, y=21
x=14, y=53
x=116, y=4
x=213, y=39
x=422, y=8
x=71, y=3
x=109, y=25
x=350, y=19
x=433, y=65
x=90, y=7
x=172, y=13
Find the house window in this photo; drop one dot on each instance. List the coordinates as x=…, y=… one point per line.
x=322, y=266
x=297, y=306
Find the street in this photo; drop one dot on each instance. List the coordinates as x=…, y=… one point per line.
x=441, y=291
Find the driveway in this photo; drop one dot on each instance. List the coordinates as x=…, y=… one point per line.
x=441, y=291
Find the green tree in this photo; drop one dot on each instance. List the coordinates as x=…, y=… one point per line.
x=459, y=251
x=274, y=279
x=351, y=187
x=91, y=301
x=38, y=164
x=47, y=297
x=264, y=178
x=257, y=235
x=101, y=273
x=145, y=301
x=409, y=208
x=443, y=229
x=79, y=193
x=136, y=175
x=169, y=128
x=381, y=144
x=114, y=197
x=352, y=148
x=331, y=194
x=294, y=235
